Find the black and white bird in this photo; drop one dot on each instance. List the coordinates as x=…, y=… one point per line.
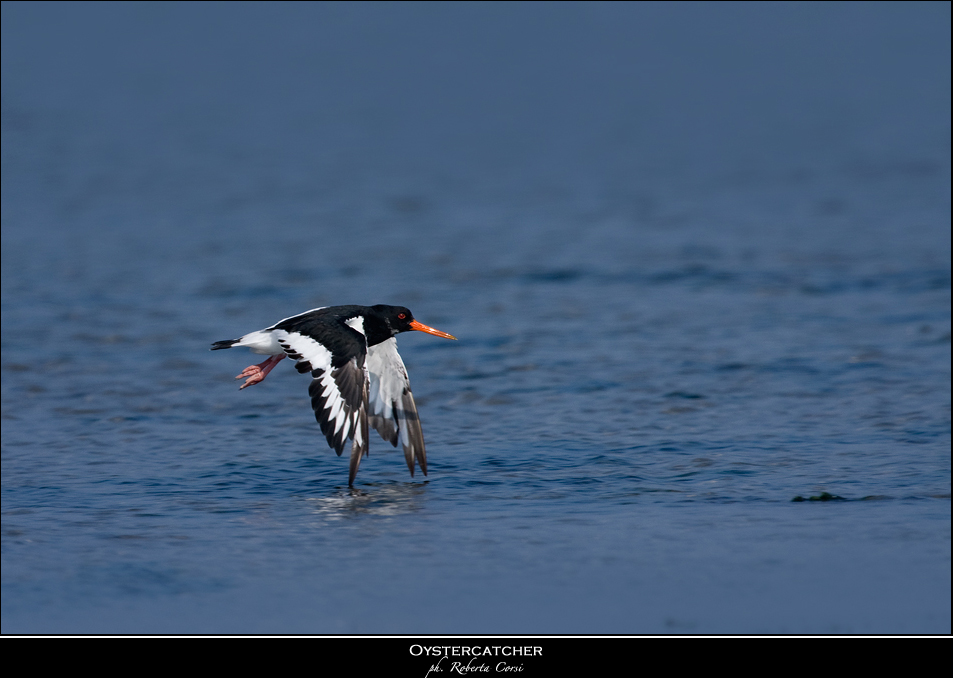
x=357, y=376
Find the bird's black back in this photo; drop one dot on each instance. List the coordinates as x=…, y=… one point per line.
x=327, y=327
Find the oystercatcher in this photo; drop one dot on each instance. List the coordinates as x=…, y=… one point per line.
x=357, y=376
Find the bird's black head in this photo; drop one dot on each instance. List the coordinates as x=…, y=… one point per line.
x=397, y=318
x=400, y=319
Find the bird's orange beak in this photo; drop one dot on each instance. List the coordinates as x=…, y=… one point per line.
x=420, y=327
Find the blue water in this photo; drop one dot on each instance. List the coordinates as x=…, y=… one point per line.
x=697, y=258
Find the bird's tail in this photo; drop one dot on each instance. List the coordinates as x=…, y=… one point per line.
x=228, y=343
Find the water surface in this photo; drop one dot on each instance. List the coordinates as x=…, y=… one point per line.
x=695, y=274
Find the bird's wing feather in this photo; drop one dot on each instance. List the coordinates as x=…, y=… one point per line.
x=361, y=444
x=338, y=391
x=390, y=403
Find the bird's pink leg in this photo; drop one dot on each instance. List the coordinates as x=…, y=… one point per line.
x=256, y=373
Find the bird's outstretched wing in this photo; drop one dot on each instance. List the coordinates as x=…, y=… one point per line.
x=338, y=391
x=390, y=404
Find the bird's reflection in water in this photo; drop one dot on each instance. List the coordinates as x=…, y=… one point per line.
x=371, y=499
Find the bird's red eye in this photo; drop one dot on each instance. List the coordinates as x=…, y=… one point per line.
x=401, y=315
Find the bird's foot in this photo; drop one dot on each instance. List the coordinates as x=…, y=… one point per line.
x=253, y=373
x=256, y=373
